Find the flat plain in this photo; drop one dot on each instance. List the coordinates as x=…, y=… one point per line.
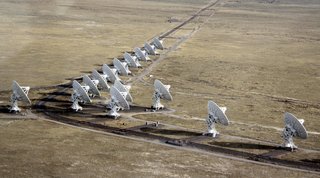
x=260, y=58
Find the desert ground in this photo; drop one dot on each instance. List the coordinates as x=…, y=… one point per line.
x=260, y=58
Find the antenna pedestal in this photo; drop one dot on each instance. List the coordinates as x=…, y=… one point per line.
x=75, y=105
x=114, y=110
x=211, y=123
x=14, y=104
x=288, y=134
x=156, y=101
x=212, y=132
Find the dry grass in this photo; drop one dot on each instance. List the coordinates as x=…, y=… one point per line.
x=42, y=149
x=249, y=57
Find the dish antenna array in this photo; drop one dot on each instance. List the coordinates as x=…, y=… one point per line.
x=110, y=74
x=141, y=54
x=155, y=44
x=122, y=67
x=120, y=95
x=93, y=89
x=100, y=81
x=216, y=115
x=103, y=84
x=118, y=101
x=131, y=60
x=19, y=94
x=293, y=128
x=80, y=94
x=161, y=91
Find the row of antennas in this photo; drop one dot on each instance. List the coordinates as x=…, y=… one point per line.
x=90, y=88
x=120, y=94
x=293, y=126
x=120, y=98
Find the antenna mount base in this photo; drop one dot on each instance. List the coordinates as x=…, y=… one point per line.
x=14, y=104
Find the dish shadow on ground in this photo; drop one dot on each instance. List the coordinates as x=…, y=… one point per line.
x=243, y=145
x=170, y=132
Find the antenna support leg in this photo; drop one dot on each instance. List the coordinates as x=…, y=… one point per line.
x=14, y=104
x=211, y=123
x=75, y=105
x=114, y=110
x=288, y=134
x=156, y=101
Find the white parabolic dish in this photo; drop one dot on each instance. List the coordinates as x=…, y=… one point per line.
x=102, y=81
x=291, y=120
x=163, y=90
x=130, y=60
x=109, y=72
x=121, y=67
x=140, y=54
x=150, y=49
x=92, y=86
x=18, y=91
x=123, y=88
x=119, y=99
x=214, y=108
x=83, y=94
x=158, y=43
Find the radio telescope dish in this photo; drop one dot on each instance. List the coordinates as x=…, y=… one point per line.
x=151, y=49
x=131, y=60
x=216, y=115
x=293, y=128
x=93, y=89
x=111, y=74
x=117, y=102
x=80, y=94
x=158, y=43
x=141, y=54
x=103, y=84
x=19, y=94
x=161, y=91
x=124, y=89
x=122, y=67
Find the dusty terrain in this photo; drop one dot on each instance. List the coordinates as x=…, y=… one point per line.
x=260, y=59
